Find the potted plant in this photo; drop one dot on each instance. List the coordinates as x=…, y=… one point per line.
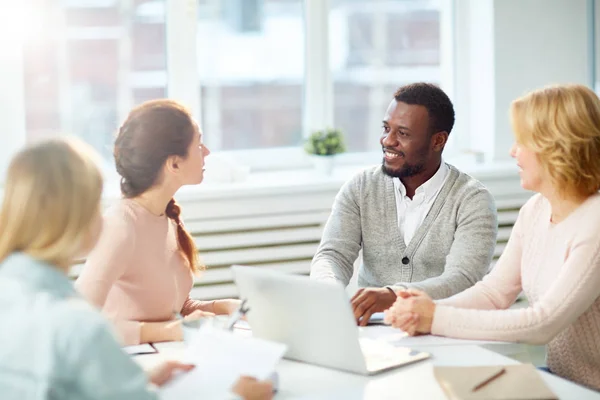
x=323, y=145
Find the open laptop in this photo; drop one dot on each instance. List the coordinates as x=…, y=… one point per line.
x=315, y=320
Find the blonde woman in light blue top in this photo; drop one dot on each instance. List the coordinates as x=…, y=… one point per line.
x=53, y=344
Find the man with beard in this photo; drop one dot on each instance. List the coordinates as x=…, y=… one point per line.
x=421, y=223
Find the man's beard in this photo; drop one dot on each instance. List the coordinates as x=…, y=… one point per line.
x=406, y=171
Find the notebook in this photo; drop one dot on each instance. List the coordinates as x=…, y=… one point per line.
x=518, y=382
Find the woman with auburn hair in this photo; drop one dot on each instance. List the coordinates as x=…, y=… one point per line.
x=553, y=254
x=142, y=270
x=56, y=345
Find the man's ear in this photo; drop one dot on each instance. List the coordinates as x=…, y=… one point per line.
x=439, y=140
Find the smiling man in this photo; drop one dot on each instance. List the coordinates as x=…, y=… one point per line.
x=420, y=222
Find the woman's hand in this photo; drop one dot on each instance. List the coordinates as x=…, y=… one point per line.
x=251, y=389
x=169, y=331
x=412, y=312
x=165, y=372
x=226, y=306
x=246, y=387
x=197, y=314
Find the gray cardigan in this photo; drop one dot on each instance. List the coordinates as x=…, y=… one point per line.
x=451, y=250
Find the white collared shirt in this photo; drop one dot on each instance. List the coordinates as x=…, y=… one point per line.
x=412, y=213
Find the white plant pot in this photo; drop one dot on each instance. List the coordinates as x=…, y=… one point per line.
x=324, y=164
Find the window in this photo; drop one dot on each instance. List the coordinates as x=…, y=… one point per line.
x=375, y=47
x=251, y=69
x=240, y=65
x=91, y=62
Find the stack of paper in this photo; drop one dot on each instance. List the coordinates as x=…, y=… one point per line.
x=221, y=357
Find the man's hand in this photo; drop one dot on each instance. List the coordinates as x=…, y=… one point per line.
x=367, y=301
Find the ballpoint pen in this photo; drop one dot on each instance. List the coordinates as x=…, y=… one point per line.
x=237, y=315
x=490, y=379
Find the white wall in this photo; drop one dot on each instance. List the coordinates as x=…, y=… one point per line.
x=514, y=46
x=12, y=106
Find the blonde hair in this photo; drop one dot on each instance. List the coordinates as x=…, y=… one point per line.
x=52, y=193
x=561, y=124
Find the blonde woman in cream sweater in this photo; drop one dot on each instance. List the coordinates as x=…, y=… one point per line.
x=553, y=254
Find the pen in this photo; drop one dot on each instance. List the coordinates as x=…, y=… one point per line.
x=490, y=379
x=237, y=315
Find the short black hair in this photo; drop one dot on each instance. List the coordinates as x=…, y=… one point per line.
x=430, y=96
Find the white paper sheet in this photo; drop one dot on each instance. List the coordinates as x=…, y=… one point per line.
x=400, y=338
x=169, y=347
x=242, y=324
x=139, y=349
x=221, y=357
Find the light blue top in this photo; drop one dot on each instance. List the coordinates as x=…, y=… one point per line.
x=54, y=345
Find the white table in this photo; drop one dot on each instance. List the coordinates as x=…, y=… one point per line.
x=304, y=381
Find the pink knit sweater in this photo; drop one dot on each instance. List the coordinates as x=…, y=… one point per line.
x=558, y=268
x=136, y=272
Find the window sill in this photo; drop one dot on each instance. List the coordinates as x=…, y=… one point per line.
x=308, y=180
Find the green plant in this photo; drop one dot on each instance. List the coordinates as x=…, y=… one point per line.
x=325, y=142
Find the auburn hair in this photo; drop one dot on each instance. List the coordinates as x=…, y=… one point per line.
x=152, y=132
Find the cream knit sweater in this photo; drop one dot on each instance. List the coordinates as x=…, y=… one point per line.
x=558, y=268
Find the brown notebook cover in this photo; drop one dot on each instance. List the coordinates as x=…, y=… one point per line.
x=518, y=382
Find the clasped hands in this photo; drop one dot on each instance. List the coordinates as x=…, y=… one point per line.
x=410, y=310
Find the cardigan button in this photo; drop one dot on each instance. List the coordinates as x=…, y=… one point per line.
x=405, y=260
